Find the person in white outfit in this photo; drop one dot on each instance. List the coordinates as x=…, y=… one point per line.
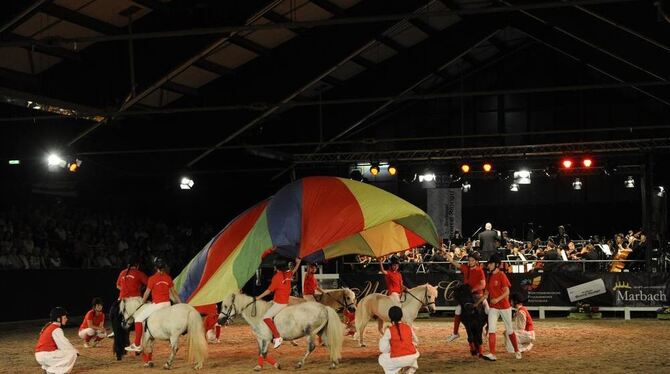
x=53, y=350
x=398, y=345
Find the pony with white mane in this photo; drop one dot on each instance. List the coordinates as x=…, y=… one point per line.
x=378, y=305
x=293, y=322
x=169, y=324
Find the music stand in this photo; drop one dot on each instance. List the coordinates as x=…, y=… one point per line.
x=605, y=248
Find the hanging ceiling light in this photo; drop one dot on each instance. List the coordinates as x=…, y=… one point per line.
x=465, y=187
x=427, y=176
x=393, y=169
x=465, y=168
x=374, y=168
x=522, y=176
x=514, y=187
x=587, y=162
x=487, y=167
x=577, y=184
x=629, y=182
x=567, y=163
x=660, y=191
x=186, y=183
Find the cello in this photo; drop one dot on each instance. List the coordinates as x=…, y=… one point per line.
x=618, y=260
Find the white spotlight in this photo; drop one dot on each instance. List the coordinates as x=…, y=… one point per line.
x=466, y=186
x=629, y=182
x=427, y=177
x=660, y=191
x=577, y=184
x=54, y=160
x=522, y=177
x=186, y=183
x=514, y=187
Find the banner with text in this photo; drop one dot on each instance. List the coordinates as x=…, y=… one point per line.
x=445, y=208
x=542, y=289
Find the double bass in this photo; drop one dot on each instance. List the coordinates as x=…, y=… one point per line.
x=622, y=254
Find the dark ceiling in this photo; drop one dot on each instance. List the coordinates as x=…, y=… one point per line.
x=294, y=87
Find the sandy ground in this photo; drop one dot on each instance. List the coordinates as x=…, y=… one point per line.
x=610, y=345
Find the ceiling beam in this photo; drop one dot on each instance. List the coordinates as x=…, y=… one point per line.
x=81, y=19
x=364, y=62
x=43, y=47
x=390, y=43
x=249, y=45
x=423, y=26
x=180, y=88
x=212, y=67
x=199, y=57
x=329, y=7
x=24, y=15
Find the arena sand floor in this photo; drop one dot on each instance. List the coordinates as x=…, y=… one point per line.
x=608, y=345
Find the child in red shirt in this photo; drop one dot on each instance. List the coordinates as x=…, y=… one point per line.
x=497, y=289
x=53, y=351
x=523, y=326
x=394, y=282
x=398, y=345
x=281, y=286
x=92, y=328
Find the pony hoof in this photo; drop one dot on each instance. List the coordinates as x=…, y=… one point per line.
x=277, y=366
x=332, y=366
x=361, y=345
x=298, y=365
x=149, y=364
x=294, y=343
x=257, y=368
x=167, y=366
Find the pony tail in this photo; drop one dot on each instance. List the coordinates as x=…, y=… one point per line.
x=397, y=326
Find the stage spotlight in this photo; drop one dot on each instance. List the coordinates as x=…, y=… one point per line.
x=487, y=167
x=577, y=184
x=660, y=191
x=427, y=176
x=15, y=162
x=514, y=187
x=587, y=162
x=393, y=170
x=465, y=187
x=74, y=166
x=55, y=160
x=374, y=169
x=629, y=182
x=567, y=163
x=465, y=168
x=186, y=183
x=522, y=177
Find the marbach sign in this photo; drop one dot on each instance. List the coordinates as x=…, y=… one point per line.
x=543, y=289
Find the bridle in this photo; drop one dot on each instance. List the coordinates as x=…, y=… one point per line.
x=231, y=311
x=344, y=303
x=425, y=303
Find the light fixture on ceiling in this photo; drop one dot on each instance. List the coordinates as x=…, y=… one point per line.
x=466, y=186
x=577, y=184
x=186, y=183
x=629, y=182
x=514, y=187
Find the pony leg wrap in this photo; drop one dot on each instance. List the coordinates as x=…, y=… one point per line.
x=270, y=360
x=138, y=333
x=260, y=361
x=492, y=342
x=217, y=331
x=273, y=328
x=515, y=343
x=146, y=357
x=457, y=323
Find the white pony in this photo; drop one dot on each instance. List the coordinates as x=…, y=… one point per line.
x=169, y=324
x=377, y=304
x=295, y=321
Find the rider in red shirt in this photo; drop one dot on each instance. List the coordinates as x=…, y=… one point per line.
x=281, y=286
x=394, y=282
x=473, y=275
x=497, y=289
x=523, y=326
x=310, y=285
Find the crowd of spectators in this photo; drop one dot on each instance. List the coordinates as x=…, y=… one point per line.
x=55, y=236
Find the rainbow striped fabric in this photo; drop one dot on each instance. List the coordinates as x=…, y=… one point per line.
x=314, y=218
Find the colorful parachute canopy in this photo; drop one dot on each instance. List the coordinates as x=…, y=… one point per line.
x=314, y=218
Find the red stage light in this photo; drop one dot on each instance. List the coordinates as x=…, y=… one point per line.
x=567, y=164
x=587, y=162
